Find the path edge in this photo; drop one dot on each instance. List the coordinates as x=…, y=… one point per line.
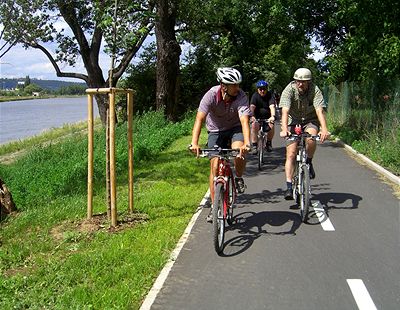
x=158, y=284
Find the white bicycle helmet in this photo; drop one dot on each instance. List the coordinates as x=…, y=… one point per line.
x=302, y=74
x=228, y=76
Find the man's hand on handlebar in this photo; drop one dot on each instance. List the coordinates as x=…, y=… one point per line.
x=271, y=120
x=324, y=135
x=243, y=150
x=284, y=133
x=195, y=149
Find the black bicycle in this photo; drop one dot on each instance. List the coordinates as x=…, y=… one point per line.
x=301, y=175
x=262, y=140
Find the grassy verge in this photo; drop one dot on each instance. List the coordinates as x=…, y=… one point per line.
x=52, y=258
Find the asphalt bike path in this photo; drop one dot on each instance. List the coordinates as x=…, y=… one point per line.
x=346, y=257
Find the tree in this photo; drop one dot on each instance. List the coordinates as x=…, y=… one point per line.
x=27, y=81
x=260, y=38
x=168, y=52
x=34, y=24
x=362, y=38
x=31, y=88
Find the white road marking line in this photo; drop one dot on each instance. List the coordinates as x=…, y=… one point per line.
x=323, y=217
x=361, y=295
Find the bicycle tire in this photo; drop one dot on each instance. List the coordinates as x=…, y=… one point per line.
x=304, y=193
x=218, y=218
x=231, y=201
x=260, y=152
x=295, y=184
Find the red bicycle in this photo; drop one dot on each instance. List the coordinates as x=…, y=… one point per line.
x=224, y=193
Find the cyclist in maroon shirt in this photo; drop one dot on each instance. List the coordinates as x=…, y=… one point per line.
x=225, y=110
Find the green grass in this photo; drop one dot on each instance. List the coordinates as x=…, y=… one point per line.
x=49, y=261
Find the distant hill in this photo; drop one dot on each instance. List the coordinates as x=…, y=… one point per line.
x=45, y=84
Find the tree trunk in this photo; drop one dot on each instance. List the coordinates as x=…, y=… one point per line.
x=7, y=204
x=168, y=52
x=102, y=104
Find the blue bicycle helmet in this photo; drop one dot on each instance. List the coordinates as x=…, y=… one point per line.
x=261, y=83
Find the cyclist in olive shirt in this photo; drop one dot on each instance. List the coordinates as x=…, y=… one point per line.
x=225, y=109
x=302, y=103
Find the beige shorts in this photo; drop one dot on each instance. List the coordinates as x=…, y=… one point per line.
x=305, y=127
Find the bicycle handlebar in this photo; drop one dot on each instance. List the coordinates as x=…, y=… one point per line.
x=294, y=136
x=263, y=120
x=220, y=152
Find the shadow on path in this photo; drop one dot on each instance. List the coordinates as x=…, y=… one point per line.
x=252, y=225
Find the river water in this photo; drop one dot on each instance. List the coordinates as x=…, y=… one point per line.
x=25, y=118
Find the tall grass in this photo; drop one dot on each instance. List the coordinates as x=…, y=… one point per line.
x=367, y=116
x=47, y=261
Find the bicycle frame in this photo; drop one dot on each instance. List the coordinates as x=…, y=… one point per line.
x=224, y=194
x=301, y=175
x=225, y=176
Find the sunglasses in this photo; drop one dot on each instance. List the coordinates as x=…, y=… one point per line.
x=262, y=88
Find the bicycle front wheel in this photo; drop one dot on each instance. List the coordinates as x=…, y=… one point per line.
x=305, y=191
x=231, y=201
x=260, y=152
x=218, y=218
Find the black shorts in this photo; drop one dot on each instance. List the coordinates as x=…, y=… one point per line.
x=225, y=138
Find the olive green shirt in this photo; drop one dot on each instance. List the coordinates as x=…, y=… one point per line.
x=302, y=106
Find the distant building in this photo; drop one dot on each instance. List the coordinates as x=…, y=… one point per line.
x=20, y=84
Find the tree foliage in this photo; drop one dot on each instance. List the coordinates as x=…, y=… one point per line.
x=260, y=38
x=362, y=39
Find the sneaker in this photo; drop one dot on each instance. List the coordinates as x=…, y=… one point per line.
x=209, y=217
x=268, y=147
x=240, y=186
x=289, y=194
x=253, y=150
x=312, y=172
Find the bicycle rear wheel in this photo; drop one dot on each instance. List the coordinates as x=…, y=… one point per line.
x=218, y=218
x=305, y=191
x=260, y=152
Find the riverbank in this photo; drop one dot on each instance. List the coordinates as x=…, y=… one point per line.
x=21, y=98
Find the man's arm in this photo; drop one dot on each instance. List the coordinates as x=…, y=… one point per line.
x=244, y=120
x=200, y=117
x=284, y=122
x=272, y=109
x=324, y=133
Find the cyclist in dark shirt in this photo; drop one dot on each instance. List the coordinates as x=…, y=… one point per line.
x=262, y=105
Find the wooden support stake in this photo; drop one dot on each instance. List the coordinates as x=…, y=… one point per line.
x=90, y=158
x=112, y=160
x=130, y=148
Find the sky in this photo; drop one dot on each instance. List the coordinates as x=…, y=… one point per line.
x=18, y=63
